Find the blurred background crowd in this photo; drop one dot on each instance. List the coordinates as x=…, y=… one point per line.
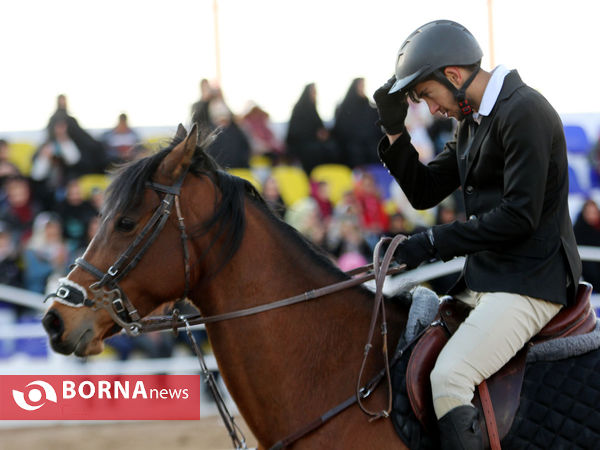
x=325, y=179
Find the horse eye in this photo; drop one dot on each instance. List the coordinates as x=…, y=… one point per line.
x=125, y=224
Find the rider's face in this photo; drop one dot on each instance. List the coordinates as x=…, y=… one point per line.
x=438, y=98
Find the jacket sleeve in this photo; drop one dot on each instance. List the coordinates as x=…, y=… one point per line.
x=424, y=185
x=525, y=132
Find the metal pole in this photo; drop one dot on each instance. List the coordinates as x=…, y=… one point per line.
x=217, y=41
x=490, y=8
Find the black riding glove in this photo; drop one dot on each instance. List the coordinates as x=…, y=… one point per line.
x=416, y=249
x=392, y=108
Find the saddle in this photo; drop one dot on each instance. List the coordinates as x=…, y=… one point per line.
x=498, y=397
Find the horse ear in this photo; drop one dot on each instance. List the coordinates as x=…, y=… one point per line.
x=181, y=132
x=180, y=158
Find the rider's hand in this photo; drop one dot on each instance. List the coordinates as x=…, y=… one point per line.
x=392, y=108
x=416, y=249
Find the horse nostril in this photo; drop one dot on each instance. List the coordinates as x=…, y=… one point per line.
x=53, y=325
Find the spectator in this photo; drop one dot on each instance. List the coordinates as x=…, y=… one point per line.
x=93, y=154
x=54, y=163
x=92, y=229
x=121, y=141
x=46, y=254
x=446, y=211
x=7, y=169
x=272, y=197
x=440, y=131
x=594, y=158
x=10, y=273
x=230, y=147
x=257, y=126
x=397, y=224
x=97, y=198
x=20, y=208
x=587, y=232
x=76, y=214
x=200, y=114
x=320, y=192
x=374, y=219
x=308, y=140
x=351, y=249
x=60, y=114
x=306, y=218
x=414, y=218
x=356, y=130
x=347, y=205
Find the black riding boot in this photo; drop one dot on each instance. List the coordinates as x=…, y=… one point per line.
x=460, y=430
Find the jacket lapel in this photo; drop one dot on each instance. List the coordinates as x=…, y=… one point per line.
x=482, y=131
x=511, y=83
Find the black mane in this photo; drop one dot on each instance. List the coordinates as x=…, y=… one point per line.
x=126, y=192
x=228, y=221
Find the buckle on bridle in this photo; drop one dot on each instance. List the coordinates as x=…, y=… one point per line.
x=62, y=292
x=118, y=305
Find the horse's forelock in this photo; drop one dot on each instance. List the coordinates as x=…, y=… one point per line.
x=126, y=190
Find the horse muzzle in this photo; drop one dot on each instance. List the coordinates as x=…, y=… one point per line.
x=77, y=341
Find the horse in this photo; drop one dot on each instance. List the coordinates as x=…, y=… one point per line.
x=225, y=251
x=283, y=367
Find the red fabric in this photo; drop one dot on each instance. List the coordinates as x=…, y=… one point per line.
x=372, y=211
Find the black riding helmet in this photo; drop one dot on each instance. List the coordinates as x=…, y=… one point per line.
x=432, y=47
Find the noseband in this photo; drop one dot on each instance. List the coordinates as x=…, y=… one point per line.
x=106, y=293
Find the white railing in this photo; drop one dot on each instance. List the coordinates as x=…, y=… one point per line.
x=21, y=364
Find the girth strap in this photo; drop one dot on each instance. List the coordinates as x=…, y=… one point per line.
x=490, y=416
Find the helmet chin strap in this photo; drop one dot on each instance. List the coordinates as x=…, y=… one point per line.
x=459, y=94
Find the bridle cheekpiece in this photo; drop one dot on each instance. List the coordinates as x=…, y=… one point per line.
x=106, y=293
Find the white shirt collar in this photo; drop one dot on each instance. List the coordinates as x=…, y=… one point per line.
x=491, y=93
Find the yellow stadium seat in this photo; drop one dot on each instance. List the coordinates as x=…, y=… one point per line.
x=293, y=183
x=246, y=174
x=337, y=176
x=21, y=155
x=260, y=162
x=93, y=181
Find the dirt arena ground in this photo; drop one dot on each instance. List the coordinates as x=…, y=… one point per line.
x=205, y=434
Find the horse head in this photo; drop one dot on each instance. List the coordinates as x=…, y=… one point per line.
x=136, y=260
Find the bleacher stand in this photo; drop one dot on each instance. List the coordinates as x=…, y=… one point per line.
x=580, y=178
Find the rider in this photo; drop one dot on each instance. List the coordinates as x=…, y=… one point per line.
x=509, y=157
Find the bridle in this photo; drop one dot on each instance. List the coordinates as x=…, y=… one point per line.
x=106, y=293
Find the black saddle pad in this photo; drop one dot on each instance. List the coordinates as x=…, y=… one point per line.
x=560, y=405
x=559, y=408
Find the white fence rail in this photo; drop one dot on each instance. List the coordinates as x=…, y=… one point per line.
x=54, y=363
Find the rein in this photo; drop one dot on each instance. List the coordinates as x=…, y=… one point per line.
x=380, y=271
x=167, y=322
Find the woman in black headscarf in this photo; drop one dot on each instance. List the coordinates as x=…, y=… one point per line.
x=355, y=130
x=308, y=140
x=587, y=232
